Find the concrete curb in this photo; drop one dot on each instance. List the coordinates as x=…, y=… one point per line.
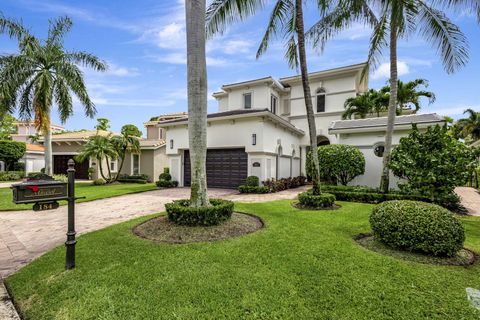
x=7, y=309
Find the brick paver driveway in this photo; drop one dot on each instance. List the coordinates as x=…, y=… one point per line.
x=25, y=235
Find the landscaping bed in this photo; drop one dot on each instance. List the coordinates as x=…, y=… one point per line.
x=160, y=229
x=302, y=266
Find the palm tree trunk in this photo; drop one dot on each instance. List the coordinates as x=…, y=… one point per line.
x=312, y=129
x=197, y=100
x=108, y=170
x=121, y=165
x=47, y=142
x=101, y=169
x=392, y=109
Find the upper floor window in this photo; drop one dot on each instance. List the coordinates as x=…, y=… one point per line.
x=247, y=100
x=273, y=104
x=321, y=93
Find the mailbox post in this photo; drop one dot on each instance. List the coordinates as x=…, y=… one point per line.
x=70, y=243
x=44, y=192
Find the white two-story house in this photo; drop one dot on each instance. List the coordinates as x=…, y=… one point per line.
x=261, y=128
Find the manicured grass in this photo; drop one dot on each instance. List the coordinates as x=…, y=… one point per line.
x=303, y=265
x=81, y=189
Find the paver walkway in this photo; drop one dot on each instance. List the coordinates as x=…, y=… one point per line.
x=25, y=235
x=470, y=199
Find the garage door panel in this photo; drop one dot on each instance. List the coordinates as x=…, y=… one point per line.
x=226, y=168
x=60, y=166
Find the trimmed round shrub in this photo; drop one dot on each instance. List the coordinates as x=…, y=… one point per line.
x=180, y=212
x=417, y=226
x=323, y=200
x=339, y=163
x=165, y=176
x=98, y=182
x=252, y=181
x=166, y=184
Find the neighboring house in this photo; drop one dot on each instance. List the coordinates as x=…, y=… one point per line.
x=261, y=128
x=34, y=157
x=150, y=161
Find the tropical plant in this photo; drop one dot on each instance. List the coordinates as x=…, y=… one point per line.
x=468, y=127
x=7, y=126
x=371, y=102
x=100, y=148
x=128, y=140
x=433, y=163
x=408, y=94
x=286, y=19
x=42, y=74
x=11, y=152
x=103, y=124
x=390, y=21
x=197, y=101
x=340, y=163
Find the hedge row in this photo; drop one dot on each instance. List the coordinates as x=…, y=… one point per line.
x=11, y=175
x=367, y=195
x=323, y=200
x=180, y=212
x=271, y=185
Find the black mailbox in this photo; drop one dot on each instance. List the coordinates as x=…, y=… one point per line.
x=39, y=189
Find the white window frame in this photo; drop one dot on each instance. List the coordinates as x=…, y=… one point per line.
x=115, y=165
x=324, y=94
x=251, y=99
x=131, y=163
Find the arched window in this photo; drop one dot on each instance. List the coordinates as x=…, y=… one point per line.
x=321, y=93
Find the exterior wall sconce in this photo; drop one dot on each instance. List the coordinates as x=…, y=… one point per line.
x=171, y=143
x=254, y=139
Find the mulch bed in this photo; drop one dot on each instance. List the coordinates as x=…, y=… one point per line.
x=160, y=229
x=300, y=206
x=464, y=257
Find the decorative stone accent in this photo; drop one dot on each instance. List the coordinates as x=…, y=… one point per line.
x=474, y=297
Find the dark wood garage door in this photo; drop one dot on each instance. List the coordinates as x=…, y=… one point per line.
x=226, y=168
x=60, y=166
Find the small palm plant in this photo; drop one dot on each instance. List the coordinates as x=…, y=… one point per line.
x=100, y=148
x=44, y=74
x=371, y=102
x=408, y=94
x=128, y=141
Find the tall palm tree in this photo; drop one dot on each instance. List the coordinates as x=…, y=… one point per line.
x=127, y=141
x=392, y=20
x=371, y=102
x=409, y=95
x=197, y=100
x=42, y=74
x=286, y=18
x=100, y=148
x=469, y=127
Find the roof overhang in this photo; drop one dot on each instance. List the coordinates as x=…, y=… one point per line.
x=377, y=128
x=261, y=113
x=352, y=69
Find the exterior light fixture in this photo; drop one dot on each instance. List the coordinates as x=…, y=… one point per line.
x=254, y=139
x=171, y=143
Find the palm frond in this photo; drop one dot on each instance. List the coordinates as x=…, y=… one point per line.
x=58, y=28
x=378, y=42
x=444, y=35
x=221, y=13
x=87, y=60
x=291, y=52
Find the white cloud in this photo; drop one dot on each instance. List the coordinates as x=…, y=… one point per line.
x=454, y=111
x=169, y=36
x=118, y=71
x=383, y=71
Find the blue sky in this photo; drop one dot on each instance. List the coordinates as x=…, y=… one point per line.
x=144, y=45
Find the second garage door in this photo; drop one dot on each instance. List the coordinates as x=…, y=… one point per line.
x=60, y=166
x=226, y=168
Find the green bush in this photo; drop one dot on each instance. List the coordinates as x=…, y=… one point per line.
x=98, y=182
x=19, y=166
x=285, y=183
x=11, y=152
x=339, y=163
x=11, y=175
x=417, y=226
x=130, y=180
x=165, y=175
x=433, y=163
x=60, y=177
x=166, y=184
x=368, y=195
x=253, y=189
x=181, y=213
x=252, y=181
x=324, y=200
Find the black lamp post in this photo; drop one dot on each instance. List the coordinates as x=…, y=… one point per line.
x=70, y=243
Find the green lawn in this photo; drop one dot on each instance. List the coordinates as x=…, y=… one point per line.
x=303, y=265
x=81, y=189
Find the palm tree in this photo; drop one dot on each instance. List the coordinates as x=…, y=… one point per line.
x=286, y=18
x=367, y=103
x=127, y=141
x=469, y=127
x=408, y=94
x=42, y=74
x=197, y=100
x=392, y=20
x=100, y=148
